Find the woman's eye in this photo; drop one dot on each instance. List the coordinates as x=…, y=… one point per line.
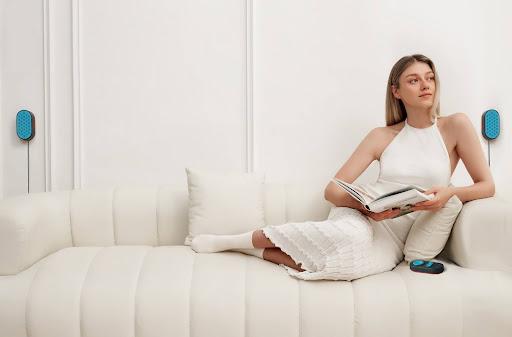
x=412, y=80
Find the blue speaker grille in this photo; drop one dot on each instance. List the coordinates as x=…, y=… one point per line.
x=491, y=124
x=24, y=125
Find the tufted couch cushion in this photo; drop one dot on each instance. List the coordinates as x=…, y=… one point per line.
x=110, y=262
x=172, y=291
x=35, y=225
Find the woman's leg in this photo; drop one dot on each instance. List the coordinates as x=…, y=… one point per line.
x=259, y=240
x=209, y=243
x=252, y=243
x=277, y=256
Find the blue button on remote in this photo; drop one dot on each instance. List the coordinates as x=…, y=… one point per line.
x=429, y=264
x=417, y=262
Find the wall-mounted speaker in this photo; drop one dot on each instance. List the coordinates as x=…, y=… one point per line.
x=25, y=125
x=490, y=129
x=491, y=124
x=26, y=129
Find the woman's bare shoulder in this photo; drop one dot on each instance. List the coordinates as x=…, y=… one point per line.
x=390, y=130
x=454, y=122
x=383, y=135
x=453, y=118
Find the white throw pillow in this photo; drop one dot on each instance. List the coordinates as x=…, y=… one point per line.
x=224, y=202
x=431, y=230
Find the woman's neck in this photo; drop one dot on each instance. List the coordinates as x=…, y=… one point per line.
x=419, y=118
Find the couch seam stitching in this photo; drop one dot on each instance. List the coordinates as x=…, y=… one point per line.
x=354, y=308
x=136, y=291
x=82, y=289
x=286, y=204
x=245, y=296
x=157, y=216
x=300, y=309
x=461, y=311
x=27, y=300
x=408, y=300
x=190, y=296
x=114, y=217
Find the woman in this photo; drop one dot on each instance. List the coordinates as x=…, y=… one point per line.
x=417, y=147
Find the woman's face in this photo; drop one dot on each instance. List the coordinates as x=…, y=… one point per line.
x=417, y=86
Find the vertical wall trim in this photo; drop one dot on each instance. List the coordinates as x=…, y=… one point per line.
x=47, y=99
x=77, y=115
x=2, y=152
x=249, y=119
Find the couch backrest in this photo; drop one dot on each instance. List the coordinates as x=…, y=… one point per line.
x=158, y=215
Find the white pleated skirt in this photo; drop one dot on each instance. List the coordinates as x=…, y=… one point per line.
x=346, y=246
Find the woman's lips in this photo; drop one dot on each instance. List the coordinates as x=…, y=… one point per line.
x=426, y=95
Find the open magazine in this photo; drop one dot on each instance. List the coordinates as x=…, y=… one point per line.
x=401, y=198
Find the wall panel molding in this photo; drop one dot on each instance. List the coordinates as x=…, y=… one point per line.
x=47, y=48
x=77, y=106
x=249, y=111
x=77, y=115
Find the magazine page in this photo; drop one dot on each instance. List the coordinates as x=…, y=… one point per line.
x=400, y=190
x=359, y=194
x=399, y=200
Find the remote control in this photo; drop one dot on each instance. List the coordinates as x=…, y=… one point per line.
x=423, y=266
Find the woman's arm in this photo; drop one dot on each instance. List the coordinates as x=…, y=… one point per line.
x=469, y=149
x=359, y=161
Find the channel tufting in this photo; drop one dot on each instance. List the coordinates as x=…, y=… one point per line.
x=285, y=205
x=408, y=301
x=157, y=216
x=141, y=267
x=114, y=215
x=100, y=250
x=299, y=308
x=354, y=311
x=462, y=301
x=404, y=295
x=191, y=289
x=461, y=311
x=245, y=297
x=364, y=305
x=28, y=299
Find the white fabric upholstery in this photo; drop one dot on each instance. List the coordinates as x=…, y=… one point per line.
x=31, y=228
x=110, y=262
x=482, y=235
x=224, y=202
x=430, y=231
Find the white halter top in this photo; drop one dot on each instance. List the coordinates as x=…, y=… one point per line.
x=416, y=156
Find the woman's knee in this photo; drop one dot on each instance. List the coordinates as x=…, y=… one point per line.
x=259, y=240
x=277, y=256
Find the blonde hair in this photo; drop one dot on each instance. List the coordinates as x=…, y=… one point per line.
x=395, y=109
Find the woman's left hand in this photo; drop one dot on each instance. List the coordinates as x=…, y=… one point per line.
x=441, y=195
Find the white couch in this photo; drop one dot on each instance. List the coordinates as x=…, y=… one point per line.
x=111, y=262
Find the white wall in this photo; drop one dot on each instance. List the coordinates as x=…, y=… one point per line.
x=321, y=70
x=160, y=89
x=134, y=92
x=21, y=77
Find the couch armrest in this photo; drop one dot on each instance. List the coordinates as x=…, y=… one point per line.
x=32, y=226
x=481, y=235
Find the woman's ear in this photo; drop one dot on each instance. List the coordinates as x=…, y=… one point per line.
x=394, y=90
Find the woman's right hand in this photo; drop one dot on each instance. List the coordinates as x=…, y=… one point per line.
x=390, y=213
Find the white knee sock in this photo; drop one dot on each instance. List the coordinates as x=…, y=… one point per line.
x=258, y=252
x=209, y=243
